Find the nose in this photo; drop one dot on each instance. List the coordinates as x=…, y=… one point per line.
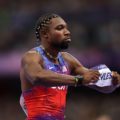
x=67, y=32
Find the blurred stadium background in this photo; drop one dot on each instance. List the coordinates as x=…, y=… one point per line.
x=95, y=28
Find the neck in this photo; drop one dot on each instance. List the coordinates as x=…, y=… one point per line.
x=51, y=52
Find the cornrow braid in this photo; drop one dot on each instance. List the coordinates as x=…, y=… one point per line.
x=43, y=23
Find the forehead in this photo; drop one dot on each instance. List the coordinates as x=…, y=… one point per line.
x=57, y=21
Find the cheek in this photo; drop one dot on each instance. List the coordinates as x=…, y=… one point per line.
x=58, y=35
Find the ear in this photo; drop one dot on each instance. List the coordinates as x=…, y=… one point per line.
x=44, y=33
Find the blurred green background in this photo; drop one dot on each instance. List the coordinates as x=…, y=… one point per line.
x=95, y=31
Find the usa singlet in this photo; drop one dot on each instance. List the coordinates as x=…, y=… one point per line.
x=47, y=103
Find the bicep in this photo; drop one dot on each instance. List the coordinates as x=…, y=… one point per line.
x=31, y=65
x=79, y=69
x=76, y=67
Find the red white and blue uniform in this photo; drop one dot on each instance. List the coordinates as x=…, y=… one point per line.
x=47, y=103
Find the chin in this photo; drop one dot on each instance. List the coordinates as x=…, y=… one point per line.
x=64, y=47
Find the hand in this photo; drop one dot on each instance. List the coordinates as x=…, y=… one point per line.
x=91, y=76
x=116, y=78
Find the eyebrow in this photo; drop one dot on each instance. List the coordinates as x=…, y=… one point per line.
x=61, y=25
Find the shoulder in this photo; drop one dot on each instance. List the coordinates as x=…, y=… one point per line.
x=31, y=56
x=66, y=55
x=74, y=63
x=69, y=58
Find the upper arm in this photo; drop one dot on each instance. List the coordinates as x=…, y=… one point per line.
x=31, y=64
x=75, y=66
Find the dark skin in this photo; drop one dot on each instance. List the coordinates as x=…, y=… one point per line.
x=32, y=69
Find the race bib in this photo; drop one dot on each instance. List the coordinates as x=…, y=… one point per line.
x=105, y=78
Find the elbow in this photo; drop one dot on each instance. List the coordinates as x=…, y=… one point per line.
x=33, y=79
x=37, y=79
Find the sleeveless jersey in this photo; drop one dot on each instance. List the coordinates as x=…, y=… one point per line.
x=47, y=103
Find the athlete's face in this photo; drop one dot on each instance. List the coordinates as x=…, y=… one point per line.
x=58, y=33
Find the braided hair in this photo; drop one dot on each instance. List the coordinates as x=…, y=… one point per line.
x=42, y=24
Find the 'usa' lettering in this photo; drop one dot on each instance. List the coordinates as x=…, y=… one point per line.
x=105, y=76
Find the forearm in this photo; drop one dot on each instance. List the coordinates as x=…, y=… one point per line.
x=49, y=78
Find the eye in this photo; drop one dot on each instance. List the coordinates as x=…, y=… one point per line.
x=59, y=27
